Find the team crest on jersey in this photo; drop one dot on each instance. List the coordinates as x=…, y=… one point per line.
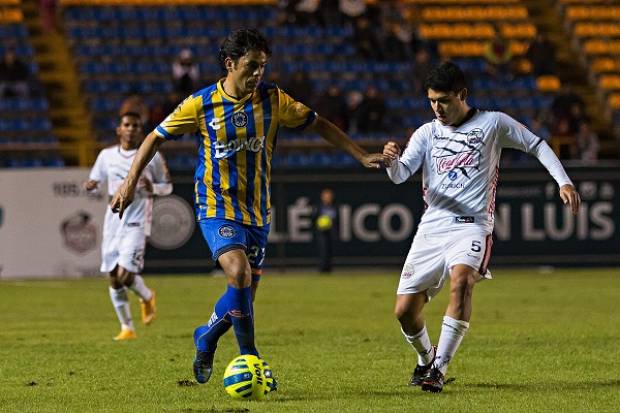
x=475, y=136
x=226, y=231
x=240, y=119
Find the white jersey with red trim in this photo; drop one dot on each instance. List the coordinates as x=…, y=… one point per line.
x=460, y=167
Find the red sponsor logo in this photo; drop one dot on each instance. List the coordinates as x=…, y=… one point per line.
x=459, y=160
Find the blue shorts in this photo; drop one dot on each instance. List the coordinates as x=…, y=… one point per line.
x=224, y=235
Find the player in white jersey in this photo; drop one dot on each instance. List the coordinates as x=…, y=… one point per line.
x=459, y=154
x=124, y=240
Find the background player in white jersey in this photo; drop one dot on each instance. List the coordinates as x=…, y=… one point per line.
x=459, y=154
x=123, y=243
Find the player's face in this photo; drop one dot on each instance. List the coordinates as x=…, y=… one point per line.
x=449, y=107
x=248, y=71
x=130, y=132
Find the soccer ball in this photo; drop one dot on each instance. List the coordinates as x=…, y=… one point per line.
x=245, y=378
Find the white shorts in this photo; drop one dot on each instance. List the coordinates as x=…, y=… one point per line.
x=122, y=245
x=432, y=255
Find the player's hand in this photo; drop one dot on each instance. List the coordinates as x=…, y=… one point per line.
x=570, y=196
x=374, y=160
x=391, y=151
x=122, y=198
x=145, y=185
x=90, y=185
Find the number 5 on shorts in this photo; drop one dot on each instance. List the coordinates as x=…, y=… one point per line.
x=475, y=246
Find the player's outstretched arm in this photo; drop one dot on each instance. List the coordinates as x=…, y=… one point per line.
x=125, y=193
x=570, y=196
x=338, y=138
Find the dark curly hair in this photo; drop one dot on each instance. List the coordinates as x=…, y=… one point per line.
x=446, y=78
x=241, y=41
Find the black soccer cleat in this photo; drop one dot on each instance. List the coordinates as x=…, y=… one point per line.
x=203, y=366
x=420, y=371
x=433, y=381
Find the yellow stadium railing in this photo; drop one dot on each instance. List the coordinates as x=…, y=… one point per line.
x=602, y=47
x=596, y=30
x=10, y=15
x=490, y=13
x=548, y=83
x=614, y=101
x=609, y=82
x=593, y=13
x=475, y=48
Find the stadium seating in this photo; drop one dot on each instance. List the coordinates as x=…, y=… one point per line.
x=595, y=30
x=127, y=47
x=26, y=138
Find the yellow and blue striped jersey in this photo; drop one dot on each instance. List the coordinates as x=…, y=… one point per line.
x=237, y=138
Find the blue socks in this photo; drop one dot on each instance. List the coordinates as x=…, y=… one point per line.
x=233, y=308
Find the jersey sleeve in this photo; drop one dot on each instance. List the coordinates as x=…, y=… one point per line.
x=162, y=184
x=99, y=172
x=293, y=114
x=515, y=135
x=412, y=157
x=183, y=120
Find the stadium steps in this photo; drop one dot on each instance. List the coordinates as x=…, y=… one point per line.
x=570, y=70
x=71, y=121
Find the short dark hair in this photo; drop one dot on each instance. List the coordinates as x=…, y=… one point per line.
x=446, y=78
x=130, y=114
x=241, y=41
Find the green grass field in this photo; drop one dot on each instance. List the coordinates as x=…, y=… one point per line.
x=537, y=342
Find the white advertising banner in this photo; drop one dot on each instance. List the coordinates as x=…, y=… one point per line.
x=50, y=227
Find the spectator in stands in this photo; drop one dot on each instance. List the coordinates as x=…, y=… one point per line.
x=334, y=107
x=352, y=10
x=422, y=66
x=14, y=75
x=498, y=56
x=366, y=40
x=397, y=42
x=48, y=14
x=354, y=100
x=161, y=109
x=185, y=73
x=568, y=110
x=324, y=217
x=299, y=86
x=587, y=143
x=371, y=112
x=541, y=54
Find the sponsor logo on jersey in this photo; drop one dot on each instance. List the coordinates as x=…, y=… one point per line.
x=226, y=231
x=453, y=175
x=464, y=220
x=406, y=274
x=453, y=186
x=227, y=149
x=468, y=159
x=240, y=119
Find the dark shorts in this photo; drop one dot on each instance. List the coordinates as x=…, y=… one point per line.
x=223, y=235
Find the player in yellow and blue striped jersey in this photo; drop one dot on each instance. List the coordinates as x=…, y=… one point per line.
x=237, y=121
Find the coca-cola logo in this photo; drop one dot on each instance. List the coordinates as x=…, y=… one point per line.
x=469, y=159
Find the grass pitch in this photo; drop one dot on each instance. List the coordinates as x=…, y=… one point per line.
x=537, y=342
